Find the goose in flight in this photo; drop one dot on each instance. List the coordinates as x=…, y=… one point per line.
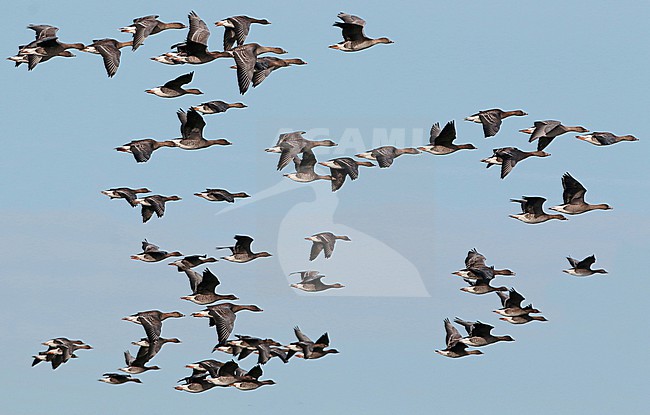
x=547, y=130
x=191, y=261
x=125, y=193
x=324, y=241
x=237, y=28
x=583, y=268
x=310, y=281
x=305, y=169
x=216, y=107
x=152, y=253
x=223, y=316
x=511, y=305
x=220, y=195
x=246, y=58
x=143, y=27
x=605, y=139
x=386, y=155
x=241, y=252
x=174, y=88
x=289, y=145
x=154, y=204
x=343, y=167
x=474, y=259
x=479, y=334
x=109, y=49
x=118, y=378
x=194, y=50
x=455, y=348
x=354, y=39
x=192, y=124
x=204, y=288
x=574, y=198
x=491, y=119
x=441, y=141
x=508, y=157
x=142, y=149
x=531, y=207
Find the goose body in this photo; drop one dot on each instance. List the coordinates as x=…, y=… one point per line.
x=142, y=149
x=522, y=319
x=605, y=138
x=289, y=145
x=174, y=88
x=192, y=125
x=476, y=260
x=267, y=64
x=156, y=314
x=481, y=285
x=45, y=47
x=154, y=204
x=204, y=288
x=125, y=193
x=118, y=378
x=310, y=349
x=532, y=210
x=323, y=242
x=137, y=365
x=574, y=198
x=343, y=167
x=143, y=27
x=191, y=261
x=455, y=348
x=24, y=51
x=194, y=50
x=441, y=141
x=251, y=380
x=227, y=374
x=149, y=347
x=511, y=305
x=508, y=157
x=195, y=384
x=354, y=39
x=386, y=155
x=583, y=268
x=241, y=252
x=491, y=119
x=305, y=172
x=310, y=281
x=479, y=334
x=59, y=351
x=223, y=316
x=152, y=253
x=237, y=28
x=109, y=49
x=547, y=130
x=246, y=59
x=220, y=195
x=215, y=107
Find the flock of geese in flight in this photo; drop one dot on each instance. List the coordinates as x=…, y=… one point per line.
x=253, y=69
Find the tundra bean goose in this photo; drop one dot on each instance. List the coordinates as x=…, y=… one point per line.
x=354, y=39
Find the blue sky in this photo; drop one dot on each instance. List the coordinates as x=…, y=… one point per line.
x=66, y=248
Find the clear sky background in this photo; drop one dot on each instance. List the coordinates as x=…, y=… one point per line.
x=66, y=269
